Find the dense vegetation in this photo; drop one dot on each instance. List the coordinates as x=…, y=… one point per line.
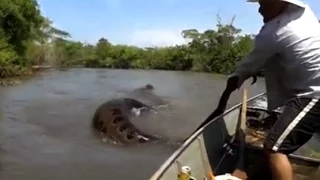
x=210, y=51
x=27, y=38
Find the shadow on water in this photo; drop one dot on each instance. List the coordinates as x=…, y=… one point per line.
x=45, y=122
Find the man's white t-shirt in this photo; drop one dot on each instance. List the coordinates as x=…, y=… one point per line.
x=288, y=49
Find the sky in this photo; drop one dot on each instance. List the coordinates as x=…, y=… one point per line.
x=149, y=22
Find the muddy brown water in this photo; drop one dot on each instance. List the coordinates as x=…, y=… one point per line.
x=45, y=122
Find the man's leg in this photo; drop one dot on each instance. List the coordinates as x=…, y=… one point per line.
x=295, y=126
x=279, y=165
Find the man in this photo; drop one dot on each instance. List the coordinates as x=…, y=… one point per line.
x=288, y=49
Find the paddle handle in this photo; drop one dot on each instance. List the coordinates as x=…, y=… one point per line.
x=222, y=105
x=239, y=171
x=244, y=109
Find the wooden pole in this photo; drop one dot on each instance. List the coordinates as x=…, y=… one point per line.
x=240, y=169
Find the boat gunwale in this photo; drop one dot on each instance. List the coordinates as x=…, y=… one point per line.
x=159, y=173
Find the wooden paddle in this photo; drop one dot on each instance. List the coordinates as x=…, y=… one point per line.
x=220, y=109
x=221, y=106
x=240, y=168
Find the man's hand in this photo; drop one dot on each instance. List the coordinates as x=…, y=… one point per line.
x=233, y=83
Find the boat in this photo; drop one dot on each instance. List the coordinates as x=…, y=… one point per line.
x=214, y=151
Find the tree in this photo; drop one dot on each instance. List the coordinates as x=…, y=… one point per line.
x=102, y=49
x=27, y=38
x=18, y=20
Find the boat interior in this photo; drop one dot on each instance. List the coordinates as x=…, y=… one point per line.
x=305, y=161
x=233, y=137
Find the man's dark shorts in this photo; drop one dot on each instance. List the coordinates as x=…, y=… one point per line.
x=296, y=125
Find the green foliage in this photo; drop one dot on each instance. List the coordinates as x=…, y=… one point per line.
x=18, y=20
x=210, y=51
x=27, y=38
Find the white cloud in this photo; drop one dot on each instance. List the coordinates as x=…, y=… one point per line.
x=157, y=37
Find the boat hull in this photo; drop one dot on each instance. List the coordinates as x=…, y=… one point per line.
x=211, y=149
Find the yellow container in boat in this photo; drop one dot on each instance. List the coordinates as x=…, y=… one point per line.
x=185, y=173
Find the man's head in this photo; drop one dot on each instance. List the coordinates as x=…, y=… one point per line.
x=270, y=9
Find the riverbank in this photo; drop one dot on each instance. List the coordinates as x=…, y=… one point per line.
x=12, y=81
x=24, y=75
x=34, y=70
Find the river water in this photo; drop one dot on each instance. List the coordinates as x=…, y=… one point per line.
x=45, y=122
